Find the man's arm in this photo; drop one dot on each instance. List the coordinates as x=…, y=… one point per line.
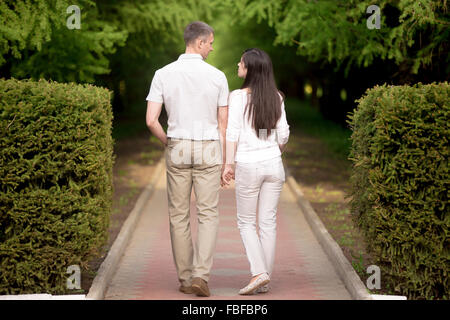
x=222, y=120
x=153, y=112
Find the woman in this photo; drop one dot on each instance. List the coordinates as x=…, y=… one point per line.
x=256, y=135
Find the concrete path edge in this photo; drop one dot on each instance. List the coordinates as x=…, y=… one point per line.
x=342, y=266
x=109, y=265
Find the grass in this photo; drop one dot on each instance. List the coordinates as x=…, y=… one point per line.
x=301, y=115
x=123, y=200
x=358, y=265
x=149, y=157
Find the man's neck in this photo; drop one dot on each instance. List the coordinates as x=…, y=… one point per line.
x=190, y=50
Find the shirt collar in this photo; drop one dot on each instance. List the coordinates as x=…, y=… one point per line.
x=190, y=56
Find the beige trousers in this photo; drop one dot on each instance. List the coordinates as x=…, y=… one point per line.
x=194, y=164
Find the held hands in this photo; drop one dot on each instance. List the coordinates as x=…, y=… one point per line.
x=227, y=174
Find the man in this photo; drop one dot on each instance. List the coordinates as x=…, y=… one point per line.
x=195, y=95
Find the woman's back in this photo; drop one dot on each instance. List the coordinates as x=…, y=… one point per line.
x=250, y=148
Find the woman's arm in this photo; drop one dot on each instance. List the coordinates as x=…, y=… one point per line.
x=233, y=126
x=282, y=129
x=231, y=152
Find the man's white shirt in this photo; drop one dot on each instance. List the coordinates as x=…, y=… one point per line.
x=191, y=90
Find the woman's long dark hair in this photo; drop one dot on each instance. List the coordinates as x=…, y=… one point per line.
x=264, y=107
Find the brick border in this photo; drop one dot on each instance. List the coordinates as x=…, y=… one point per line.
x=109, y=265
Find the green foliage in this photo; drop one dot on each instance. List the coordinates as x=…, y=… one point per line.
x=75, y=55
x=44, y=47
x=150, y=18
x=28, y=25
x=56, y=157
x=400, y=184
x=335, y=30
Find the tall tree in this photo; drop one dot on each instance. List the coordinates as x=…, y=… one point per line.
x=413, y=33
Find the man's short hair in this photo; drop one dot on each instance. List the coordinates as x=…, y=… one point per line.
x=195, y=30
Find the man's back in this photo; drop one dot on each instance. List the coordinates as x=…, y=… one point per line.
x=191, y=91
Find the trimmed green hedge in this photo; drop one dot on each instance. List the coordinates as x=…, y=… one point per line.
x=56, y=158
x=401, y=183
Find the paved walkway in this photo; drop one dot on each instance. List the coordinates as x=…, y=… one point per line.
x=302, y=269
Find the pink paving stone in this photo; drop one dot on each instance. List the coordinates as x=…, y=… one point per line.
x=301, y=271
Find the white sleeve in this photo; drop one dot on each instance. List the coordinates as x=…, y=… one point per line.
x=156, y=89
x=282, y=127
x=223, y=94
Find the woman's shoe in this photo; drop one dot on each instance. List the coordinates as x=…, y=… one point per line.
x=263, y=289
x=260, y=281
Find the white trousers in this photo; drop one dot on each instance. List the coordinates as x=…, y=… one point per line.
x=258, y=189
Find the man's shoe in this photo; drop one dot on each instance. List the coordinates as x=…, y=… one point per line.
x=186, y=290
x=200, y=287
x=251, y=288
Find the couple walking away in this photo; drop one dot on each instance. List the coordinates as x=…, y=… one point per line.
x=212, y=138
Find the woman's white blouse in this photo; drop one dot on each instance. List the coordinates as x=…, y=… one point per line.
x=250, y=148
